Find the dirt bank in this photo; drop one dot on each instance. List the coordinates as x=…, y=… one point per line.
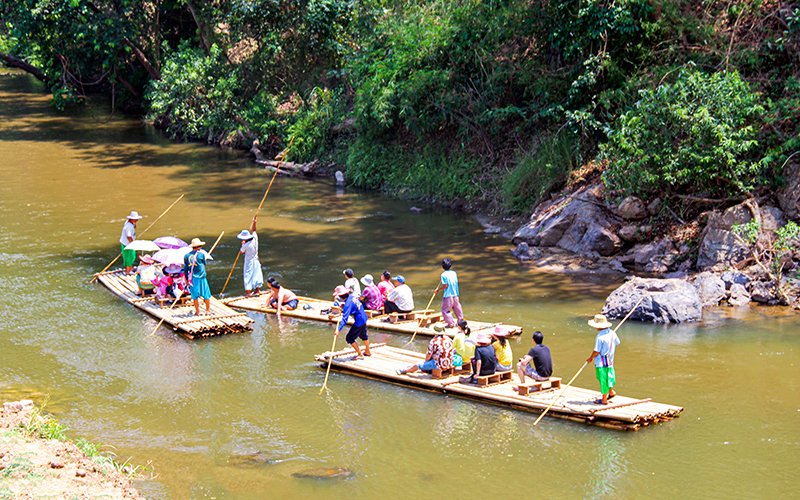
x=32, y=466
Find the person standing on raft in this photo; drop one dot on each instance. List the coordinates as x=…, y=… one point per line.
x=253, y=276
x=605, y=344
x=450, y=302
x=127, y=237
x=353, y=307
x=194, y=267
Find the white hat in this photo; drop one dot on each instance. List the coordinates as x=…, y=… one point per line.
x=599, y=321
x=483, y=338
x=134, y=215
x=196, y=243
x=245, y=235
x=367, y=280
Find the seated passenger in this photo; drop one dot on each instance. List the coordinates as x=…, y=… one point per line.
x=281, y=299
x=485, y=362
x=401, y=299
x=385, y=286
x=542, y=367
x=145, y=274
x=371, y=294
x=464, y=342
x=440, y=355
x=502, y=349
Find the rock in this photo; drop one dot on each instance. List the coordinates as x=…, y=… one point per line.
x=339, y=175
x=738, y=295
x=763, y=292
x=57, y=464
x=734, y=278
x=719, y=247
x=325, y=473
x=616, y=265
x=631, y=208
x=710, y=288
x=80, y=473
x=416, y=210
x=789, y=195
x=654, y=257
x=663, y=301
x=654, y=207
x=629, y=233
x=578, y=223
x=521, y=252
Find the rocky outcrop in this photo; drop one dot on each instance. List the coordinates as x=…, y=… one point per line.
x=710, y=288
x=579, y=223
x=655, y=257
x=662, y=301
x=789, y=195
x=739, y=296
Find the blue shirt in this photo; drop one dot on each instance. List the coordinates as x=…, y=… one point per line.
x=197, y=258
x=450, y=278
x=605, y=343
x=353, y=307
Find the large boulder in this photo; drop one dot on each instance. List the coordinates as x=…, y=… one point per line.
x=789, y=194
x=632, y=208
x=710, y=288
x=739, y=295
x=719, y=247
x=731, y=278
x=579, y=223
x=764, y=292
x=662, y=301
x=655, y=257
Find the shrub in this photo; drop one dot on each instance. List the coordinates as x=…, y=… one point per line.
x=694, y=136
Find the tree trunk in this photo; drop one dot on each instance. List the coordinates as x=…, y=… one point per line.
x=151, y=70
x=19, y=63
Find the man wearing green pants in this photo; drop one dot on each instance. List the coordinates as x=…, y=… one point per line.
x=605, y=344
x=127, y=237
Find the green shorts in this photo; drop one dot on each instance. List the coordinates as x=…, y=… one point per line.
x=128, y=256
x=606, y=376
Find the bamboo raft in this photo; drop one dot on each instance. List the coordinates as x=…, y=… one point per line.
x=222, y=320
x=420, y=321
x=574, y=403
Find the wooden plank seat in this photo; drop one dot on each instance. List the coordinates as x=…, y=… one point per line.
x=552, y=383
x=437, y=373
x=184, y=300
x=426, y=317
x=487, y=380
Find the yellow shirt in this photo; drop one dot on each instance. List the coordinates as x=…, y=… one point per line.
x=504, y=355
x=462, y=347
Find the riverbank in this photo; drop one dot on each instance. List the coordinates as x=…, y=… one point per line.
x=37, y=460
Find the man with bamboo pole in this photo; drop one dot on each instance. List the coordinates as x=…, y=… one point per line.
x=605, y=344
x=253, y=276
x=194, y=267
x=127, y=237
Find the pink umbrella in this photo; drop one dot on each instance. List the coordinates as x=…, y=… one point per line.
x=174, y=256
x=170, y=242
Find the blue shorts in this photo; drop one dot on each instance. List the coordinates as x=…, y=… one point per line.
x=427, y=366
x=357, y=332
x=532, y=373
x=200, y=289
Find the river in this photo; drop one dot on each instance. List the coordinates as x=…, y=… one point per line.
x=190, y=408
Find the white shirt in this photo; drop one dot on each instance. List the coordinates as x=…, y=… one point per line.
x=354, y=287
x=127, y=230
x=402, y=297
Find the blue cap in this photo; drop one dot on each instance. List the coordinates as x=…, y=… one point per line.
x=400, y=279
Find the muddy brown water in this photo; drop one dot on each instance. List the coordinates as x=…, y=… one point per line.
x=199, y=411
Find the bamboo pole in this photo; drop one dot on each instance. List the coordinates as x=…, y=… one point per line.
x=140, y=234
x=178, y=298
x=260, y=206
x=330, y=357
x=585, y=363
x=419, y=323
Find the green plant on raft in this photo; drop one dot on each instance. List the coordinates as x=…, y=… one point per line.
x=697, y=135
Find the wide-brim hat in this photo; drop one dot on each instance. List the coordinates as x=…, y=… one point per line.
x=483, y=338
x=368, y=280
x=134, y=215
x=245, y=235
x=500, y=331
x=599, y=321
x=146, y=258
x=400, y=279
x=438, y=328
x=340, y=290
x=196, y=242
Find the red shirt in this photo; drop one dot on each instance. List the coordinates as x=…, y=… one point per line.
x=385, y=287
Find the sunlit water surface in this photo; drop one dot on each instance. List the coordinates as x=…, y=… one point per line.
x=190, y=408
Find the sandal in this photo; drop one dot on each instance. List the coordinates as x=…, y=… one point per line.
x=599, y=401
x=400, y=372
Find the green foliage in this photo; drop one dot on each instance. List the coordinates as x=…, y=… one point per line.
x=697, y=135
x=196, y=96
x=428, y=172
x=748, y=232
x=540, y=171
x=312, y=124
